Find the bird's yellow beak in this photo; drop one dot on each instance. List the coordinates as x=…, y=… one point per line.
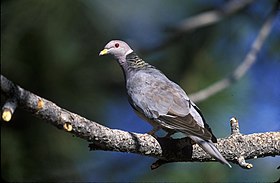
x=103, y=52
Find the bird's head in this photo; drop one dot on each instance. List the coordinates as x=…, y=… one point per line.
x=119, y=49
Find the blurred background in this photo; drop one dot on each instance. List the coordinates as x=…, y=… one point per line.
x=51, y=49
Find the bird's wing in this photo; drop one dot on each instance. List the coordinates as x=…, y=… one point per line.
x=213, y=139
x=163, y=101
x=186, y=124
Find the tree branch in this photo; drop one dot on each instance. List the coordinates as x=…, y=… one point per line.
x=198, y=21
x=245, y=65
x=210, y=17
x=235, y=148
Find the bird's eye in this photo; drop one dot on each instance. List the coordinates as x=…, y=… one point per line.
x=117, y=45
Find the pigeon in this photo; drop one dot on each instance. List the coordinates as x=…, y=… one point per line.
x=160, y=101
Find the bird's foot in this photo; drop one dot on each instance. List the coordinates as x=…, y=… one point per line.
x=169, y=133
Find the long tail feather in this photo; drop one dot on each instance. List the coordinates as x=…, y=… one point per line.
x=211, y=149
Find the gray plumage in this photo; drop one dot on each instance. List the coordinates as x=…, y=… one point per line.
x=161, y=102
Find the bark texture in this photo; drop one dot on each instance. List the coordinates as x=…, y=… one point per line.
x=235, y=148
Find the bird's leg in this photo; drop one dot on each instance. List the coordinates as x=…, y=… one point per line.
x=154, y=130
x=169, y=133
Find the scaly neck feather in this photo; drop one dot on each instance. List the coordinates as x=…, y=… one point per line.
x=133, y=61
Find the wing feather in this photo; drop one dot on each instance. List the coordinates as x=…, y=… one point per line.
x=185, y=125
x=165, y=102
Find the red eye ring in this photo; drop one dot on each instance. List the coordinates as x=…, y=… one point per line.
x=117, y=45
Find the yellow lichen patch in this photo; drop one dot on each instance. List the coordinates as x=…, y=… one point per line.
x=40, y=104
x=68, y=127
x=7, y=115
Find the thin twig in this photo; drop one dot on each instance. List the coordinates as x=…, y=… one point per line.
x=247, y=63
x=211, y=17
x=197, y=21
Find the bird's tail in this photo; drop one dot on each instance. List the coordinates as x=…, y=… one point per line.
x=211, y=149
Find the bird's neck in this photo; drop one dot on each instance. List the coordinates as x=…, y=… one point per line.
x=133, y=62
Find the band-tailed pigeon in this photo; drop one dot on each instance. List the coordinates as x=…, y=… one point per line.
x=161, y=102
